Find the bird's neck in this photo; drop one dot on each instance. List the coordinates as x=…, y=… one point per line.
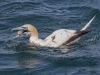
x=36, y=41
x=34, y=37
x=34, y=34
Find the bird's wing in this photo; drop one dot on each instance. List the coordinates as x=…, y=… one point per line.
x=58, y=37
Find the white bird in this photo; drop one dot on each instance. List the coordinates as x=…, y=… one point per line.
x=56, y=39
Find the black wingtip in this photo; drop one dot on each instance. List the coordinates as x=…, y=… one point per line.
x=83, y=32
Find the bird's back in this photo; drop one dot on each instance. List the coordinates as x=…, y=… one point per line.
x=58, y=37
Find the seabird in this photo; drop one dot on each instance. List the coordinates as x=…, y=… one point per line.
x=56, y=39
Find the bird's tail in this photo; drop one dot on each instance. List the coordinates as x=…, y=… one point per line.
x=88, y=24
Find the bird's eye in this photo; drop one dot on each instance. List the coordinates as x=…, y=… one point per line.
x=25, y=30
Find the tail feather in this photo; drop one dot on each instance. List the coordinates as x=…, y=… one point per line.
x=88, y=24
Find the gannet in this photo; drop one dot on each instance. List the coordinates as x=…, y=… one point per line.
x=56, y=39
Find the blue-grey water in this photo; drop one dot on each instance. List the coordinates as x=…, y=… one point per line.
x=17, y=57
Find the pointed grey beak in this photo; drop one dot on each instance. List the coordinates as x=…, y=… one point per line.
x=21, y=31
x=18, y=28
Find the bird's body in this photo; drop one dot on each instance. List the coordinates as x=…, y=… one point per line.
x=57, y=38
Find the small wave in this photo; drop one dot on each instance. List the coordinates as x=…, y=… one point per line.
x=11, y=8
x=77, y=62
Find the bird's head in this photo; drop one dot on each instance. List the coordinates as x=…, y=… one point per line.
x=27, y=29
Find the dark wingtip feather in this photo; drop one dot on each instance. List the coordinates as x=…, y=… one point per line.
x=78, y=34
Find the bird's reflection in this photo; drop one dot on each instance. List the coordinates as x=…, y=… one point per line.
x=27, y=59
x=28, y=63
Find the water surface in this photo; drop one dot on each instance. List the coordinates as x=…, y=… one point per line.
x=17, y=57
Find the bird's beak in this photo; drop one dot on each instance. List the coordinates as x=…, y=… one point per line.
x=18, y=28
x=21, y=30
